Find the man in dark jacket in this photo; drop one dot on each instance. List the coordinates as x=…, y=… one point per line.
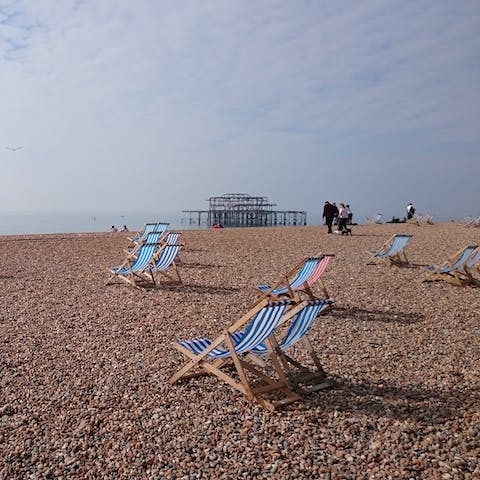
x=329, y=212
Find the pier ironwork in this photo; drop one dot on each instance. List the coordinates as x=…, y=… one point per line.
x=243, y=210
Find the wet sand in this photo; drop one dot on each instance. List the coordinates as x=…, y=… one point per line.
x=84, y=389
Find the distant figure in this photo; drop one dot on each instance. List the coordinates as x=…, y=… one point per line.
x=329, y=212
x=343, y=220
x=410, y=211
x=217, y=225
x=350, y=215
x=124, y=229
x=113, y=228
x=335, y=217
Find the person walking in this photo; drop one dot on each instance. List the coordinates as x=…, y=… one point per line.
x=329, y=212
x=410, y=211
x=342, y=219
x=350, y=215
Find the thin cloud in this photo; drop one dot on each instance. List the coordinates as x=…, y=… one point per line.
x=209, y=92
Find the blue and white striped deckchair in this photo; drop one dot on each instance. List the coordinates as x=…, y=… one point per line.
x=392, y=250
x=152, y=237
x=133, y=268
x=208, y=357
x=165, y=262
x=299, y=327
x=457, y=269
x=287, y=286
x=140, y=237
x=298, y=333
x=172, y=238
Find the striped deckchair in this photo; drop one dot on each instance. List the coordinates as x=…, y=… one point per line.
x=298, y=333
x=392, y=250
x=377, y=218
x=172, y=238
x=300, y=278
x=210, y=357
x=457, y=268
x=135, y=265
x=473, y=263
x=140, y=237
x=164, y=264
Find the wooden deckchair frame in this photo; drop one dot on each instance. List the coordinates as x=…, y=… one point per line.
x=141, y=235
x=287, y=278
x=300, y=378
x=460, y=275
x=201, y=364
x=132, y=276
x=398, y=259
x=152, y=273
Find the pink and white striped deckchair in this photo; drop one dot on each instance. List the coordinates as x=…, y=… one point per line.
x=300, y=279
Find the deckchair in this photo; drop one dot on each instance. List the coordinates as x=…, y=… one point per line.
x=298, y=333
x=210, y=357
x=172, y=238
x=153, y=237
x=300, y=278
x=164, y=264
x=158, y=227
x=473, y=262
x=393, y=250
x=453, y=269
x=416, y=219
x=138, y=259
x=135, y=265
x=377, y=218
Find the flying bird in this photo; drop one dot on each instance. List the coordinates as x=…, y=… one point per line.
x=13, y=149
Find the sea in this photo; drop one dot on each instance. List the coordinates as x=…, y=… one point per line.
x=25, y=223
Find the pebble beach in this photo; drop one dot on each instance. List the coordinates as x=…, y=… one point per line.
x=84, y=367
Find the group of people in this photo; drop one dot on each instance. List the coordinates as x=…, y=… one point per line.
x=113, y=228
x=341, y=216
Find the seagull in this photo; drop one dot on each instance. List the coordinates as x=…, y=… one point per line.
x=13, y=149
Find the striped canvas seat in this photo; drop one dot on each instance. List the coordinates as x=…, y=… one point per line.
x=141, y=236
x=143, y=259
x=297, y=333
x=458, y=268
x=305, y=274
x=172, y=238
x=260, y=328
x=138, y=261
x=165, y=265
x=392, y=250
x=231, y=348
x=300, y=325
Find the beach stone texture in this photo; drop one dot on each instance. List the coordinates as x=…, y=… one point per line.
x=84, y=367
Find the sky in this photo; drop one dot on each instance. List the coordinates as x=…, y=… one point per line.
x=156, y=106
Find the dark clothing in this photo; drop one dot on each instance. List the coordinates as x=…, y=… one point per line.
x=329, y=212
x=342, y=224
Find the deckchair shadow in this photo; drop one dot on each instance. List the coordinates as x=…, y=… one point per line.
x=364, y=315
x=393, y=250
